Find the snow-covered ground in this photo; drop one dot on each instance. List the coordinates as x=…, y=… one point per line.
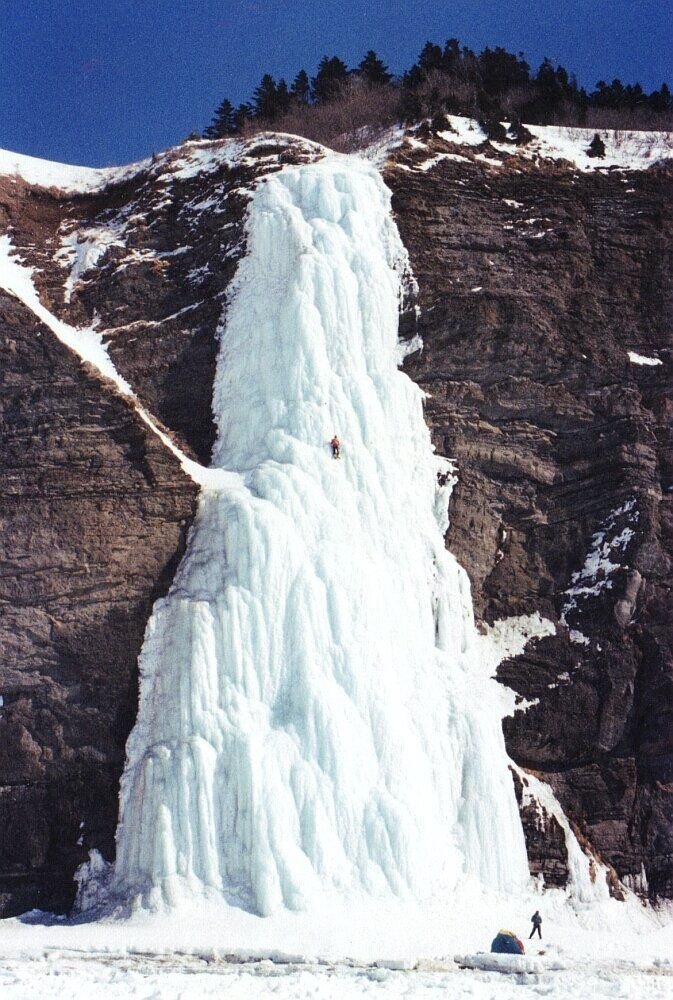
x=607, y=951
x=63, y=176
x=61, y=974
x=623, y=149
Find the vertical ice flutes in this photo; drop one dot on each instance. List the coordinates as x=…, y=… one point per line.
x=312, y=718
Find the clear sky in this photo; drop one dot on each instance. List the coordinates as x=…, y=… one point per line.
x=99, y=82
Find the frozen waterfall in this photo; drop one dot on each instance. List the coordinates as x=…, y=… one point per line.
x=312, y=716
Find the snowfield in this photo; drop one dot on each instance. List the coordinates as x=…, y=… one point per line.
x=607, y=951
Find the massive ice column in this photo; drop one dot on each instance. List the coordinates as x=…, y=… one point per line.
x=311, y=717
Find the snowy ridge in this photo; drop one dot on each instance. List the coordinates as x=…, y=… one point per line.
x=627, y=150
x=180, y=162
x=312, y=718
x=47, y=173
x=183, y=161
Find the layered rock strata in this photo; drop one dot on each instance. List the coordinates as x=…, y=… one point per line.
x=536, y=281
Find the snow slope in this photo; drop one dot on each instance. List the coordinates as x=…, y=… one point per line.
x=47, y=173
x=625, y=150
x=312, y=716
x=180, y=163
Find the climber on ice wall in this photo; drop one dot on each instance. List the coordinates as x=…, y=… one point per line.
x=336, y=445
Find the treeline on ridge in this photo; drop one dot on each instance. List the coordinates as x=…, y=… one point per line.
x=491, y=86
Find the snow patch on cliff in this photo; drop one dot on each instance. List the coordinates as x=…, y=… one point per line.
x=85, y=342
x=611, y=540
x=81, y=249
x=641, y=359
x=506, y=638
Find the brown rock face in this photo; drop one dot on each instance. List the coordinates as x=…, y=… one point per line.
x=545, y=840
x=94, y=519
x=535, y=281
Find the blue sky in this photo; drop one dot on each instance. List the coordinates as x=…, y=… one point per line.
x=109, y=81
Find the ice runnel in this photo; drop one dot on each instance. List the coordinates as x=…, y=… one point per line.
x=312, y=718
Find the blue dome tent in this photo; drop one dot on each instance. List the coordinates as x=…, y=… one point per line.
x=507, y=943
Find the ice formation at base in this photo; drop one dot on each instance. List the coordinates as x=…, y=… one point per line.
x=312, y=714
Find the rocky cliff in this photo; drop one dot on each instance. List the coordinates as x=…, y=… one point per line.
x=542, y=287
x=535, y=281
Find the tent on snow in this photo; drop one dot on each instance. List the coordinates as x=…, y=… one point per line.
x=507, y=943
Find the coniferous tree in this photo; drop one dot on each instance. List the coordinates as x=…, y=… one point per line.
x=451, y=56
x=243, y=114
x=501, y=70
x=265, y=98
x=661, y=100
x=609, y=95
x=636, y=96
x=411, y=105
x=430, y=57
x=301, y=88
x=283, y=98
x=373, y=70
x=518, y=132
x=223, y=123
x=552, y=86
x=330, y=78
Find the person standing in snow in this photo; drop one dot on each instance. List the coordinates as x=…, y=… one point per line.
x=536, y=920
x=336, y=444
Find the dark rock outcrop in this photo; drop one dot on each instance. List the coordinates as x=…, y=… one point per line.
x=94, y=519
